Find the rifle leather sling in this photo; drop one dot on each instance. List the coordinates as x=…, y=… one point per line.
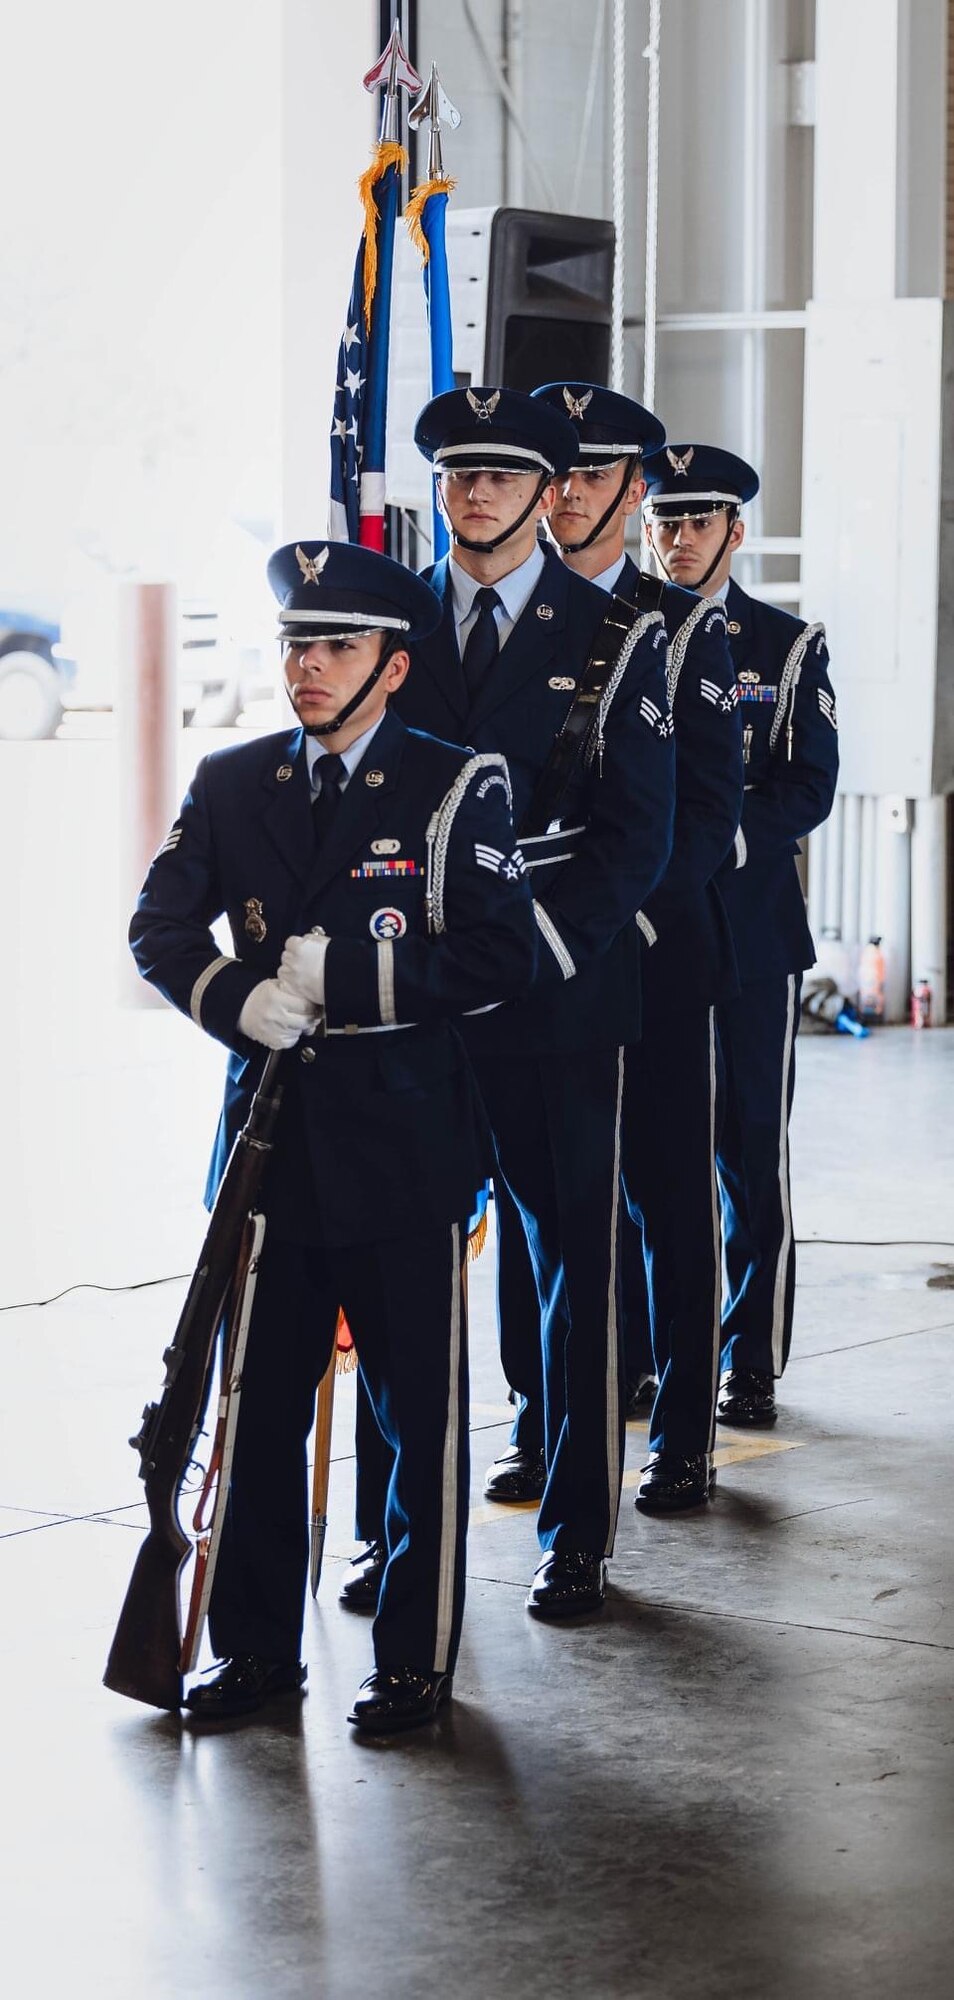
x=558, y=769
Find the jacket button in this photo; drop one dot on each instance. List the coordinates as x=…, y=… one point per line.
x=306, y=1055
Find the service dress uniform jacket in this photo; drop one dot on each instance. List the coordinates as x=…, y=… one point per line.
x=556, y=1118
x=790, y=746
x=380, y=1146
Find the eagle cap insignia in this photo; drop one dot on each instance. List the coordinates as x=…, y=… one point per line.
x=311, y=566
x=681, y=464
x=577, y=404
x=483, y=411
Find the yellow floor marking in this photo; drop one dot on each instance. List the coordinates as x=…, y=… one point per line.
x=724, y=1454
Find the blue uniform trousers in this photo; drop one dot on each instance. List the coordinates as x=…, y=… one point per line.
x=669, y=1177
x=757, y=1036
x=518, y=1321
x=404, y=1301
x=637, y=1329
x=556, y=1125
x=521, y=1355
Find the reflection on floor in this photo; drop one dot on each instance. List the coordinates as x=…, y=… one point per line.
x=735, y=1785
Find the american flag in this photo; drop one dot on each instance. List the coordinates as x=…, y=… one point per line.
x=359, y=426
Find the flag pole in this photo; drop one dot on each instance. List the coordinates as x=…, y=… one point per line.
x=425, y=216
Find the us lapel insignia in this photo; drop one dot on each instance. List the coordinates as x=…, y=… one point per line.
x=374, y=778
x=545, y=611
x=733, y=626
x=284, y=772
x=562, y=683
x=255, y=926
x=385, y=847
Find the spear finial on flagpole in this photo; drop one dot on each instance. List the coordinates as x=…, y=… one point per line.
x=392, y=73
x=433, y=108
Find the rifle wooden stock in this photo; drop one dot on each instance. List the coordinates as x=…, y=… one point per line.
x=147, y=1644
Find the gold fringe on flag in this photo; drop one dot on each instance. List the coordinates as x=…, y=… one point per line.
x=415, y=210
x=387, y=153
x=477, y=1237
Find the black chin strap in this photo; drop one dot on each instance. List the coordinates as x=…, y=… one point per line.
x=487, y=548
x=733, y=516
x=343, y=715
x=575, y=548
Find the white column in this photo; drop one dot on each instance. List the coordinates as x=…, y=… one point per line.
x=929, y=902
x=817, y=845
x=868, y=885
x=893, y=908
x=148, y=720
x=329, y=124
x=851, y=873
x=856, y=58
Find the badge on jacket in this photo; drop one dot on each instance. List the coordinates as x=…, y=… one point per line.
x=387, y=923
x=255, y=925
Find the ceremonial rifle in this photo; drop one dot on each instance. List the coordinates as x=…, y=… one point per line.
x=146, y=1653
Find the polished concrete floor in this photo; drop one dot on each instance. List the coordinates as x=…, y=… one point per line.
x=737, y=1783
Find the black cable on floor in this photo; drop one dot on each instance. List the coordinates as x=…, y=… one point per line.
x=176, y=1277
x=90, y=1285
x=878, y=1242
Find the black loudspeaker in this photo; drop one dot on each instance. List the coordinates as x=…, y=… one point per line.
x=549, y=298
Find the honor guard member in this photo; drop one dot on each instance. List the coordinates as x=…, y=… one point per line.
x=693, y=525
x=669, y=1096
x=503, y=673
x=350, y=857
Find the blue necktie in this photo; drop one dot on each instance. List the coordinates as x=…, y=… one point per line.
x=483, y=643
x=331, y=770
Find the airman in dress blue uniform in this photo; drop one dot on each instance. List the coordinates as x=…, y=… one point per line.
x=790, y=747
x=669, y=1100
x=374, y=891
x=501, y=674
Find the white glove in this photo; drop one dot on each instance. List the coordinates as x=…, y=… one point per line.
x=302, y=968
x=276, y=1017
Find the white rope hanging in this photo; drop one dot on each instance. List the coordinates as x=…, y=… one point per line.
x=619, y=194
x=651, y=53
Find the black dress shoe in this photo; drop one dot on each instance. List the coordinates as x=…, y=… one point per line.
x=640, y=1395
x=395, y=1698
x=519, y=1475
x=564, y=1585
x=243, y=1684
x=668, y=1483
x=361, y=1591
x=747, y=1398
